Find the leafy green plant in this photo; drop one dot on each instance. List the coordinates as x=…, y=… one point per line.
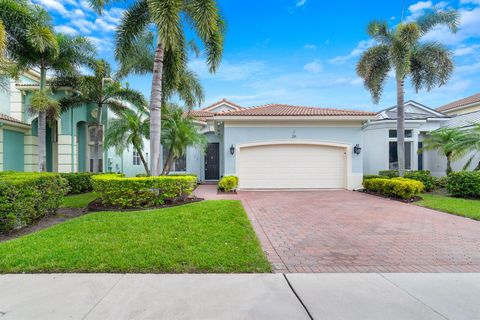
x=79, y=182
x=371, y=176
x=424, y=176
x=401, y=188
x=388, y=173
x=440, y=182
x=117, y=191
x=464, y=184
x=228, y=183
x=27, y=197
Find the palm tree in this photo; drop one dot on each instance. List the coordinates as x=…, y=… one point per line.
x=428, y=64
x=169, y=18
x=32, y=43
x=105, y=93
x=451, y=142
x=130, y=128
x=179, y=132
x=472, y=143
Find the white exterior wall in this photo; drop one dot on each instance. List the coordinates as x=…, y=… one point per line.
x=1, y=149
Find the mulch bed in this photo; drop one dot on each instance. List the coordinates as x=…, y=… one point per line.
x=62, y=215
x=415, y=199
x=97, y=205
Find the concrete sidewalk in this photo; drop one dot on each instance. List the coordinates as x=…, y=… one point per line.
x=240, y=296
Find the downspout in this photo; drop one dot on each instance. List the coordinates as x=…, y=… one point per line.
x=73, y=140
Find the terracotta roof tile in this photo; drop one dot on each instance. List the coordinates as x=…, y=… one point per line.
x=459, y=103
x=289, y=110
x=11, y=119
x=220, y=102
x=200, y=114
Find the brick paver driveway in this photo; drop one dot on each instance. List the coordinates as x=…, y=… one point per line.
x=346, y=231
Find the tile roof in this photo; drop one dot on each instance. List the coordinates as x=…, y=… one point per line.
x=220, y=102
x=200, y=114
x=289, y=110
x=11, y=119
x=460, y=103
x=464, y=120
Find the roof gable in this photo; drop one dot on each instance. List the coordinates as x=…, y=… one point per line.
x=222, y=106
x=413, y=110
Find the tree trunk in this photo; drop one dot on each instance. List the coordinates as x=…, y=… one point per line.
x=167, y=165
x=96, y=143
x=155, y=110
x=449, y=163
x=477, y=168
x=400, y=126
x=142, y=158
x=42, y=127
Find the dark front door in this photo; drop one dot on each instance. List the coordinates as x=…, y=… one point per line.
x=212, y=162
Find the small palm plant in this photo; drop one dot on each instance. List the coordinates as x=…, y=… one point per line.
x=169, y=18
x=179, y=132
x=129, y=129
x=106, y=94
x=428, y=64
x=472, y=144
x=451, y=142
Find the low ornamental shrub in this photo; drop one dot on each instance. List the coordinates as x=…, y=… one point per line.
x=228, y=183
x=464, y=184
x=25, y=197
x=117, y=191
x=372, y=176
x=424, y=176
x=79, y=182
x=388, y=173
x=440, y=182
x=401, y=188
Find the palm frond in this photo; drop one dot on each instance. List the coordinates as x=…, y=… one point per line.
x=430, y=20
x=166, y=16
x=379, y=31
x=373, y=68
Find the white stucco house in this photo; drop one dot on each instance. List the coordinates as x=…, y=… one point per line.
x=285, y=146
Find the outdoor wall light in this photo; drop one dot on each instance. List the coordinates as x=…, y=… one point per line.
x=232, y=150
x=357, y=149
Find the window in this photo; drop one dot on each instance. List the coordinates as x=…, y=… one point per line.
x=100, y=156
x=393, y=155
x=179, y=165
x=91, y=132
x=136, y=158
x=393, y=133
x=420, y=156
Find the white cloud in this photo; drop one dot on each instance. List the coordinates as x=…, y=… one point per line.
x=464, y=50
x=301, y=3
x=470, y=1
x=66, y=30
x=361, y=47
x=419, y=6
x=315, y=66
x=52, y=5
x=228, y=71
x=310, y=46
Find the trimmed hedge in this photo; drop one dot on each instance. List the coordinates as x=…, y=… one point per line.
x=372, y=176
x=388, y=173
x=117, y=191
x=464, y=184
x=25, y=197
x=401, y=188
x=424, y=176
x=79, y=182
x=228, y=183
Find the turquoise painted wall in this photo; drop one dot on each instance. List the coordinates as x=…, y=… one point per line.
x=5, y=97
x=13, y=150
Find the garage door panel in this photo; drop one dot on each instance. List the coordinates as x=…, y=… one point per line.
x=291, y=166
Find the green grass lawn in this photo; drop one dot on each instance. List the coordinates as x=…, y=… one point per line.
x=461, y=207
x=78, y=200
x=208, y=236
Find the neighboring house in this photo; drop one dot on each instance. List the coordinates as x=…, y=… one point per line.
x=269, y=146
x=69, y=139
x=466, y=105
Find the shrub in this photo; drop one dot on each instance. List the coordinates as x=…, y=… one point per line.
x=79, y=182
x=464, y=184
x=440, y=182
x=26, y=197
x=371, y=176
x=228, y=183
x=424, y=176
x=117, y=191
x=401, y=188
x=388, y=173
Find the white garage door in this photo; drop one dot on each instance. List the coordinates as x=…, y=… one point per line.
x=291, y=166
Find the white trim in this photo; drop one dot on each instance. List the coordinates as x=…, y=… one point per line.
x=418, y=105
x=351, y=179
x=220, y=103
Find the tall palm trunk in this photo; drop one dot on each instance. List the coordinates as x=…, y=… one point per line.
x=96, y=143
x=142, y=158
x=400, y=126
x=155, y=110
x=42, y=127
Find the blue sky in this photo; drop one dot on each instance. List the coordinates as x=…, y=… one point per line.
x=300, y=52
